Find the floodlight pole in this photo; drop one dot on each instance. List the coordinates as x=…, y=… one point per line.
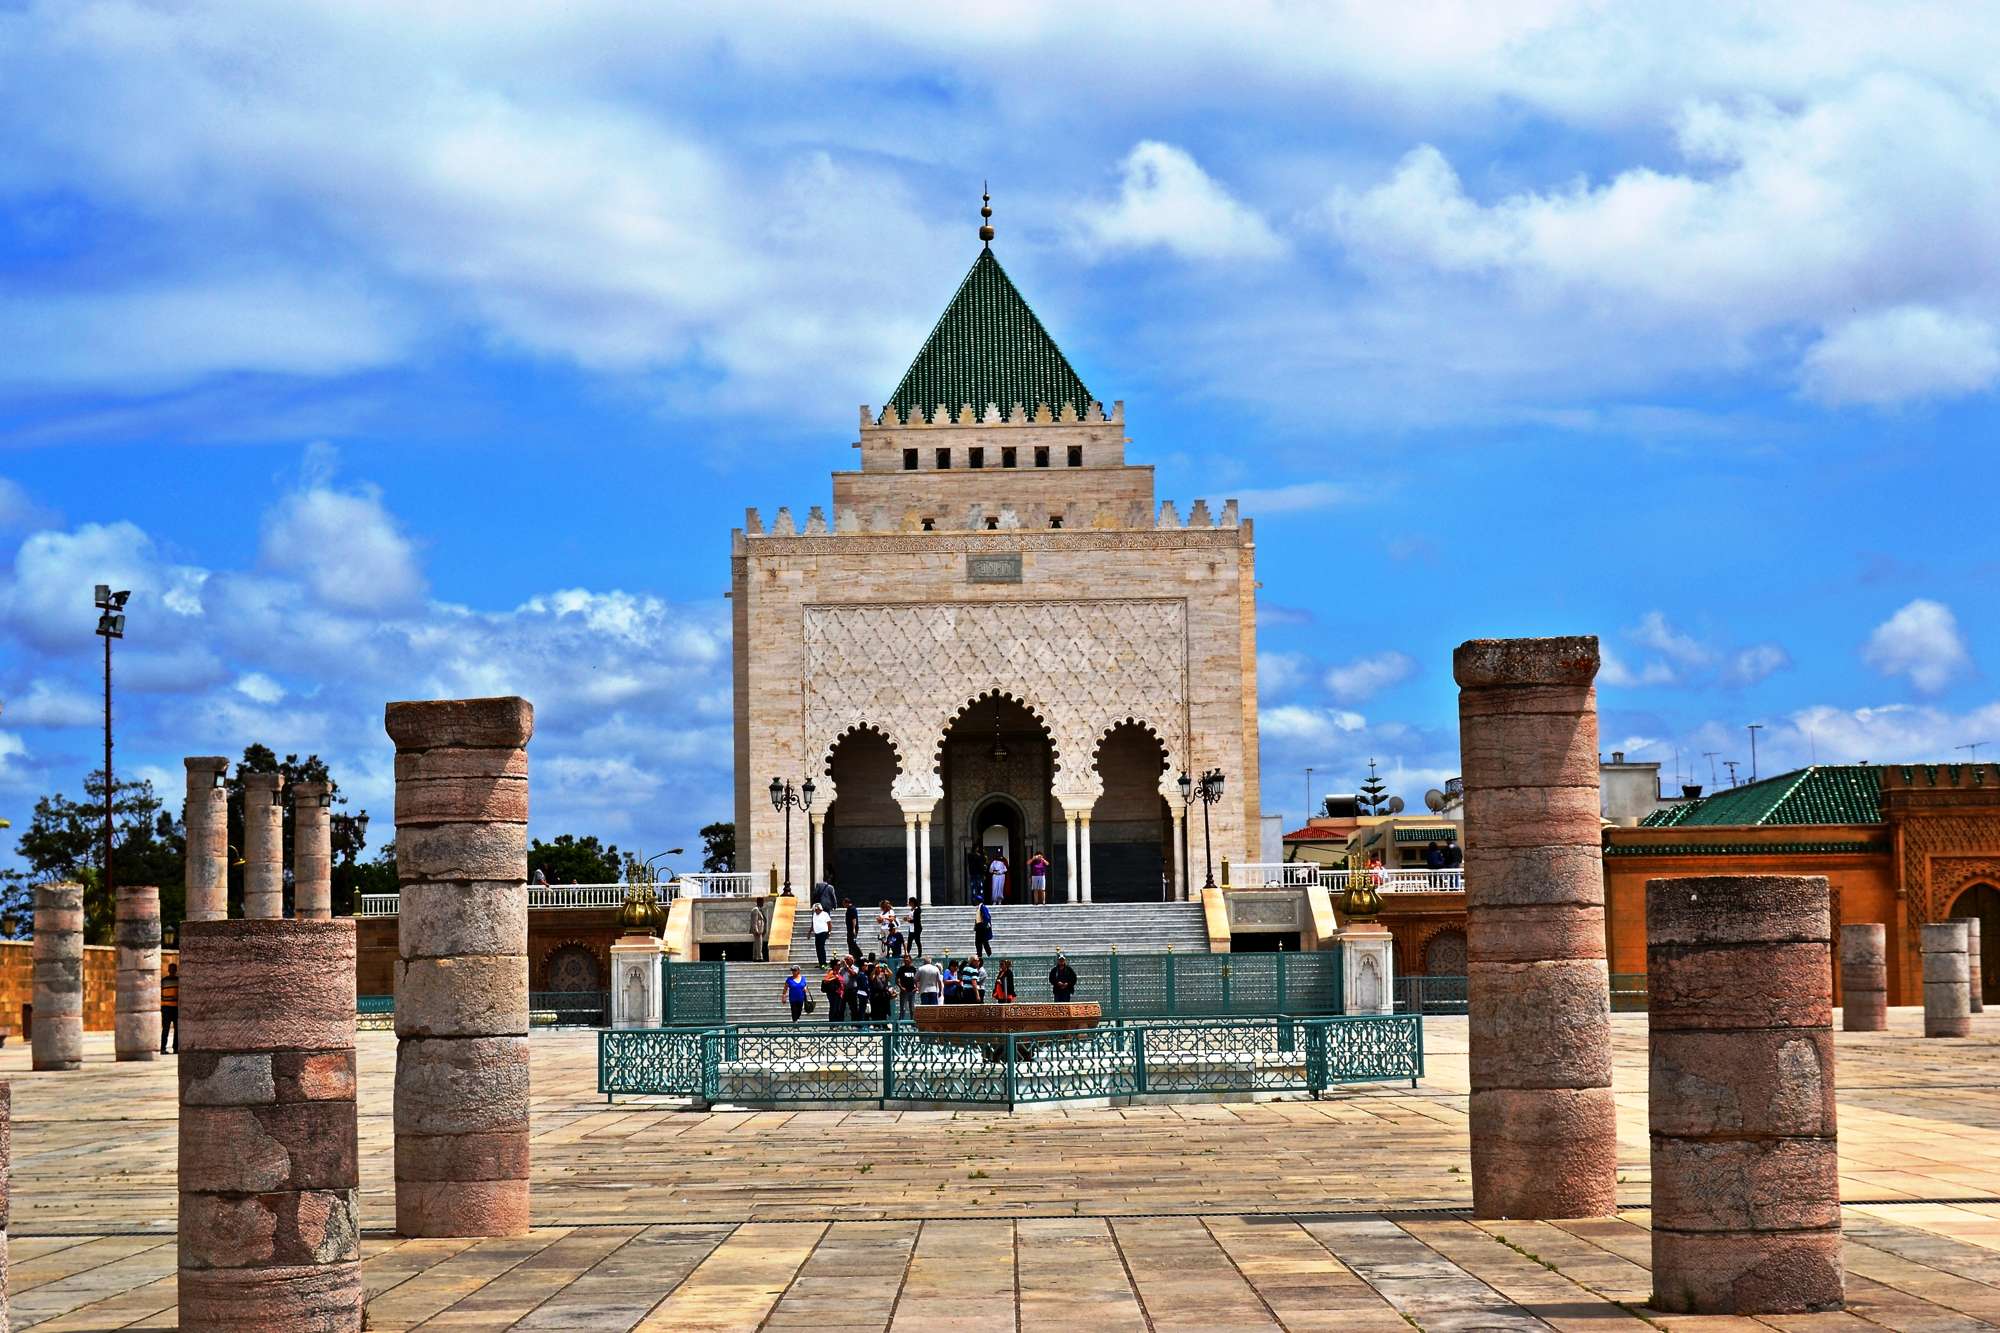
x=110, y=885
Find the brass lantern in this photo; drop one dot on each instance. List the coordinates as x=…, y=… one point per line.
x=1361, y=902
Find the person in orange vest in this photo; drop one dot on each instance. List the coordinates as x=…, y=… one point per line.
x=170, y=1008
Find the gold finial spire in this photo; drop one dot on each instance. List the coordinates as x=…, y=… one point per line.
x=985, y=214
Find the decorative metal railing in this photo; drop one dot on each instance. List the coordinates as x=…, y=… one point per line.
x=694, y=994
x=780, y=1064
x=1307, y=874
x=570, y=1008
x=1430, y=995
x=1136, y=986
x=728, y=884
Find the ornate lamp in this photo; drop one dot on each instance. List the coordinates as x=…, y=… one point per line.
x=1361, y=902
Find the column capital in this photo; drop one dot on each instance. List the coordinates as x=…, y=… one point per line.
x=917, y=806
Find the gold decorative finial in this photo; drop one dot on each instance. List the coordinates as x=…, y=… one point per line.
x=986, y=214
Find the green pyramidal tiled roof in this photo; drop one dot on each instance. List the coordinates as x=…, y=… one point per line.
x=1821, y=794
x=988, y=347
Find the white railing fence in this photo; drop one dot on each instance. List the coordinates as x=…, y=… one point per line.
x=1295, y=874
x=735, y=884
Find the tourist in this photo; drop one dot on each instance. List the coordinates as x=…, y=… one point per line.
x=1434, y=856
x=881, y=994
x=997, y=879
x=853, y=920
x=930, y=983
x=541, y=880
x=823, y=895
x=1376, y=876
x=1062, y=979
x=885, y=926
x=917, y=928
x=950, y=972
x=971, y=982
x=759, y=949
x=822, y=927
x=975, y=874
x=982, y=930
x=906, y=987
x=896, y=942
x=1003, y=982
x=170, y=1009
x=1038, y=877
x=830, y=986
x=795, y=993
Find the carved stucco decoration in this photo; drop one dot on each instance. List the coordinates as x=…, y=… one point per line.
x=1081, y=667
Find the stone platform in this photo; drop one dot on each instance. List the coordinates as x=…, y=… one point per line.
x=1342, y=1213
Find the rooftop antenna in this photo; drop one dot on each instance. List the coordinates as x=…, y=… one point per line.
x=1753, y=728
x=1730, y=764
x=1972, y=749
x=1709, y=755
x=986, y=215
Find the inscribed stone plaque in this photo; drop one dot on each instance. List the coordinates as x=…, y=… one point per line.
x=993, y=568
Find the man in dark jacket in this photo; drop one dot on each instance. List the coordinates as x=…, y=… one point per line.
x=1062, y=979
x=853, y=918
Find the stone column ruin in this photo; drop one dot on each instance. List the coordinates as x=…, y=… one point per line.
x=58, y=1039
x=1740, y=1094
x=1947, y=980
x=207, y=817
x=270, y=1232
x=312, y=852
x=6, y=1189
x=136, y=1024
x=1864, y=978
x=263, y=846
x=1544, y=1131
x=1973, y=978
x=462, y=979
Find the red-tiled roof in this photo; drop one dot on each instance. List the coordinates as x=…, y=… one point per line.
x=1315, y=833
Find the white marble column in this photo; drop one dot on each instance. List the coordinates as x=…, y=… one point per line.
x=1069, y=858
x=1175, y=860
x=1083, y=837
x=818, y=855
x=924, y=859
x=909, y=857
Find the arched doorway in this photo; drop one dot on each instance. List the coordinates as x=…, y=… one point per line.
x=1444, y=955
x=1982, y=902
x=864, y=825
x=1131, y=829
x=997, y=765
x=572, y=967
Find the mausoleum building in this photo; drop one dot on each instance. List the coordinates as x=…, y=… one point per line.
x=995, y=638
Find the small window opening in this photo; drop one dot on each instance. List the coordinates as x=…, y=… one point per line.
x=1076, y=455
x=1008, y=456
x=992, y=525
x=909, y=460
x=1055, y=520
x=975, y=457
x=1041, y=455
x=944, y=458
x=930, y=525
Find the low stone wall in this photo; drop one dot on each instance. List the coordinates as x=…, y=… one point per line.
x=100, y=985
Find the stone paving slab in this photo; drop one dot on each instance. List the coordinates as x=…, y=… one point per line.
x=1345, y=1213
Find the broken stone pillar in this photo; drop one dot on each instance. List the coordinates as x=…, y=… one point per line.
x=1974, y=979
x=58, y=1039
x=207, y=817
x=1864, y=978
x=270, y=1234
x=136, y=1024
x=1947, y=980
x=1544, y=1133
x=6, y=1188
x=462, y=977
x=312, y=852
x=263, y=846
x=1740, y=1091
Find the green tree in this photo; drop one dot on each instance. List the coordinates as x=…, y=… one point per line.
x=65, y=841
x=1374, y=792
x=573, y=860
x=718, y=847
x=348, y=833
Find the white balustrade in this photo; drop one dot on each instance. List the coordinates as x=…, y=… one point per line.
x=1300, y=874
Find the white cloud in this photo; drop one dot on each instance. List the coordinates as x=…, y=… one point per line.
x=346, y=546
x=53, y=703
x=1365, y=677
x=1299, y=497
x=1299, y=725
x=1902, y=353
x=1920, y=641
x=1656, y=632
x=259, y=688
x=1166, y=200
x=18, y=510
x=1749, y=665
x=1280, y=673
x=1613, y=671
x=1889, y=734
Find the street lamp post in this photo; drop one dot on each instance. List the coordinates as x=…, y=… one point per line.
x=110, y=625
x=786, y=797
x=1209, y=789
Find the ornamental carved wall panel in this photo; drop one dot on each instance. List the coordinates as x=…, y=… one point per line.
x=1081, y=667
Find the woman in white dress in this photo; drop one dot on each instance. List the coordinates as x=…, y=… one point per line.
x=997, y=875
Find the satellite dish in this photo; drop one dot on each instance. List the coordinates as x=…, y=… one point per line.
x=1433, y=800
x=1395, y=805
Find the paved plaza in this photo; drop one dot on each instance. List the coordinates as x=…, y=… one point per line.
x=1348, y=1212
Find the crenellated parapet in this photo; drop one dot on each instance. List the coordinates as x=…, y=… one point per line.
x=945, y=417
x=1104, y=515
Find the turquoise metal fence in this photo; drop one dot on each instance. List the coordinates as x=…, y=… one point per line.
x=570, y=1008
x=1184, y=985
x=778, y=1064
x=374, y=1004
x=693, y=994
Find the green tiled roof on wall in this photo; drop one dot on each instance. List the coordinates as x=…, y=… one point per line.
x=1821, y=794
x=989, y=347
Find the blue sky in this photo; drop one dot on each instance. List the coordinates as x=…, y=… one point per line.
x=395, y=351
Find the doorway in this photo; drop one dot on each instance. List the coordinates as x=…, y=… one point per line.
x=1982, y=901
x=997, y=828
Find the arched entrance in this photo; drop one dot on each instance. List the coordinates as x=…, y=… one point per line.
x=572, y=967
x=1982, y=902
x=1131, y=828
x=1444, y=955
x=864, y=825
x=997, y=765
